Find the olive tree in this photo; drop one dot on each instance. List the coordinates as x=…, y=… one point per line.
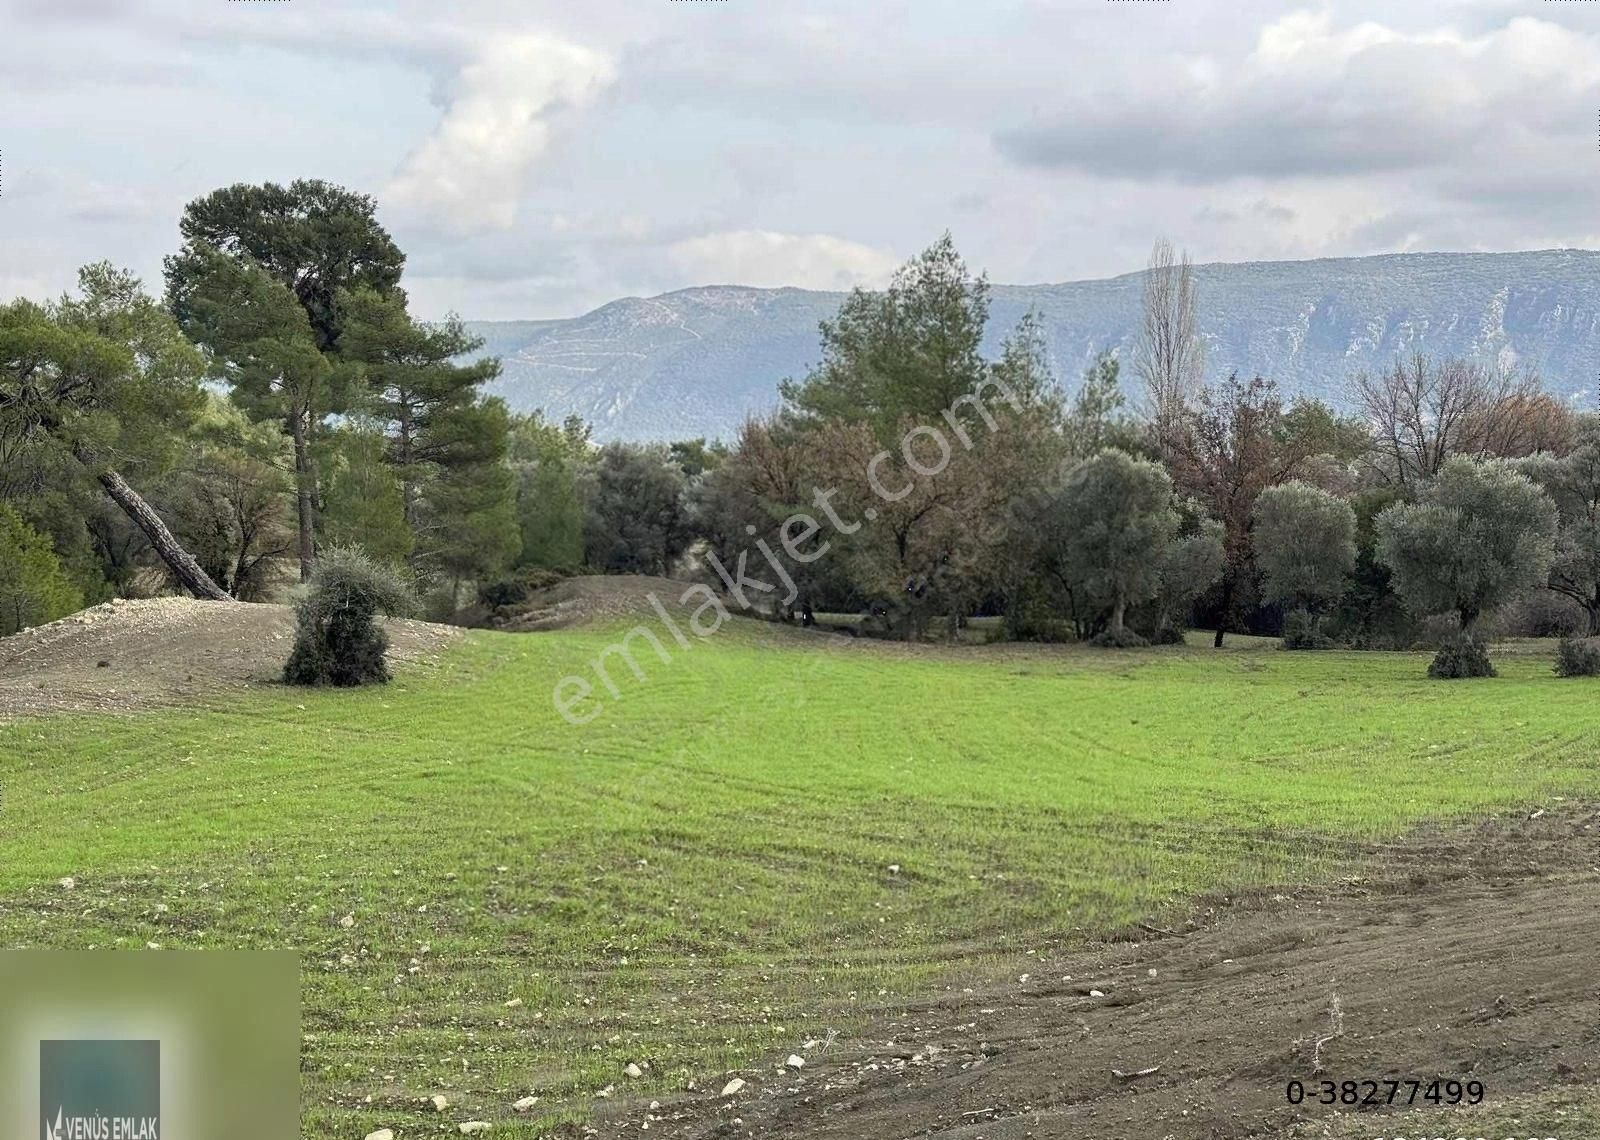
x=1305, y=547
x=1116, y=520
x=338, y=638
x=1573, y=482
x=1191, y=565
x=1480, y=534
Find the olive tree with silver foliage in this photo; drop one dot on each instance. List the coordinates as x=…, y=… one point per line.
x=1480, y=534
x=338, y=638
x=1573, y=482
x=1305, y=547
x=1116, y=520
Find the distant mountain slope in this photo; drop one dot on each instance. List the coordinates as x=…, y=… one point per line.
x=697, y=361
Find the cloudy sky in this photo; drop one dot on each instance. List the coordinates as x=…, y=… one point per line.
x=536, y=158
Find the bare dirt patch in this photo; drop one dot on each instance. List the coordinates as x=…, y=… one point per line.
x=1471, y=955
x=128, y=654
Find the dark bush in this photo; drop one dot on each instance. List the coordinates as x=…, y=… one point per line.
x=1168, y=635
x=338, y=640
x=1578, y=657
x=514, y=590
x=1114, y=639
x=1462, y=655
x=1303, y=630
x=1543, y=613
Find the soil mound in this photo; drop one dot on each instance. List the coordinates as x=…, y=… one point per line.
x=131, y=653
x=578, y=601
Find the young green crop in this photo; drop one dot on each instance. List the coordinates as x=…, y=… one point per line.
x=774, y=834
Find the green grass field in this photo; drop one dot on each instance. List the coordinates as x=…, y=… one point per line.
x=702, y=875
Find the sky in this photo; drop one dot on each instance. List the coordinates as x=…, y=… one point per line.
x=537, y=159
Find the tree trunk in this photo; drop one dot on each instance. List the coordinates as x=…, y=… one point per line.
x=302, y=493
x=408, y=487
x=182, y=564
x=1119, y=613
x=1222, y=616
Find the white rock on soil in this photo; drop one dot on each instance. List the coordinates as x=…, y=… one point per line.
x=514, y=1003
x=732, y=1087
x=469, y=1127
x=381, y=1134
x=796, y=1061
x=439, y=1103
x=633, y=1070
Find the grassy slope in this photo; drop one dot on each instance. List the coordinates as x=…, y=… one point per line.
x=700, y=876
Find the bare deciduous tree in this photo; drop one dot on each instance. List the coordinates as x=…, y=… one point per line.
x=1423, y=412
x=1170, y=356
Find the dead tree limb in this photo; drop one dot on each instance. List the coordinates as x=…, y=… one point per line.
x=182, y=564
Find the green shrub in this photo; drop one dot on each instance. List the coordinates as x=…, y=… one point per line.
x=1303, y=630
x=1031, y=617
x=33, y=587
x=1543, y=613
x=514, y=590
x=338, y=640
x=1578, y=657
x=1462, y=655
x=1118, y=639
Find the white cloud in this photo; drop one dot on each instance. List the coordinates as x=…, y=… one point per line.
x=1313, y=97
x=764, y=258
x=471, y=173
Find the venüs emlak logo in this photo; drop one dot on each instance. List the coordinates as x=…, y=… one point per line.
x=100, y=1090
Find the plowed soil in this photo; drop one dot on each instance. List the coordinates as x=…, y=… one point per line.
x=1472, y=955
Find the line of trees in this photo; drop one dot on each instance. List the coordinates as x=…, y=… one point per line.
x=280, y=400
x=1451, y=492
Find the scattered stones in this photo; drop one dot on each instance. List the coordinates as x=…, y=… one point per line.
x=68, y=883
x=732, y=1087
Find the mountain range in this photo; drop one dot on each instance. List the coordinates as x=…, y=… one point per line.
x=697, y=361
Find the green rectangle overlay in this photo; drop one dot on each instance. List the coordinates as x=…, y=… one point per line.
x=151, y=1045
